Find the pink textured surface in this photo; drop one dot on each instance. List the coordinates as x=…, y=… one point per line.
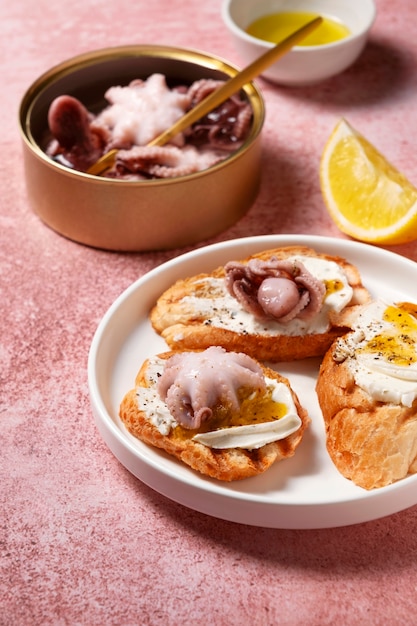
x=82, y=541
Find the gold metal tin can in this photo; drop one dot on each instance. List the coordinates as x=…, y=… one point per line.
x=135, y=215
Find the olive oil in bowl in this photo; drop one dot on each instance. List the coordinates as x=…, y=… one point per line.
x=276, y=26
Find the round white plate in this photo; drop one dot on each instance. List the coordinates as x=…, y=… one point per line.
x=305, y=491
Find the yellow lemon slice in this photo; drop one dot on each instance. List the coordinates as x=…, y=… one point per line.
x=366, y=196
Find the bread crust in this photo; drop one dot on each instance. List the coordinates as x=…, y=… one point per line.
x=371, y=443
x=186, y=329
x=226, y=464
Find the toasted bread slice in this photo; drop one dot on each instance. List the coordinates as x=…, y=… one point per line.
x=197, y=312
x=224, y=464
x=371, y=441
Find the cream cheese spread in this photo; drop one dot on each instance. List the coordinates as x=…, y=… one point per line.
x=382, y=353
x=224, y=311
x=248, y=437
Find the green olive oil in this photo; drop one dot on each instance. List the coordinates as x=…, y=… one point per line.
x=276, y=26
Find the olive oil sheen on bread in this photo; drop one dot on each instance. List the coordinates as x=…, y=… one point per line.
x=275, y=27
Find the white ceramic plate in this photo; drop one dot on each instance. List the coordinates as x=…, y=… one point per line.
x=305, y=491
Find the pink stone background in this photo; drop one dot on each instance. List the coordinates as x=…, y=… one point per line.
x=82, y=541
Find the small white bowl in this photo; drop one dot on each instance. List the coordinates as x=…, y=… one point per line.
x=303, y=65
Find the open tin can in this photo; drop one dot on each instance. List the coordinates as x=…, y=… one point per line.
x=128, y=215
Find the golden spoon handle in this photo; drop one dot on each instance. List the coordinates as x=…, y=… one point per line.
x=103, y=163
x=233, y=85
x=217, y=97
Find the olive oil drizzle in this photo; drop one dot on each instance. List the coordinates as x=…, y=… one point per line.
x=256, y=407
x=399, y=345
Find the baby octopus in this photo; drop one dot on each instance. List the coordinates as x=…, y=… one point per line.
x=274, y=289
x=136, y=114
x=192, y=383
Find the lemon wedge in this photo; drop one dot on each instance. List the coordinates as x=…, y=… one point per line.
x=366, y=196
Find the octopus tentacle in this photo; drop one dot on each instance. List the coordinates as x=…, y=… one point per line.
x=316, y=292
x=164, y=161
x=243, y=121
x=202, y=88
